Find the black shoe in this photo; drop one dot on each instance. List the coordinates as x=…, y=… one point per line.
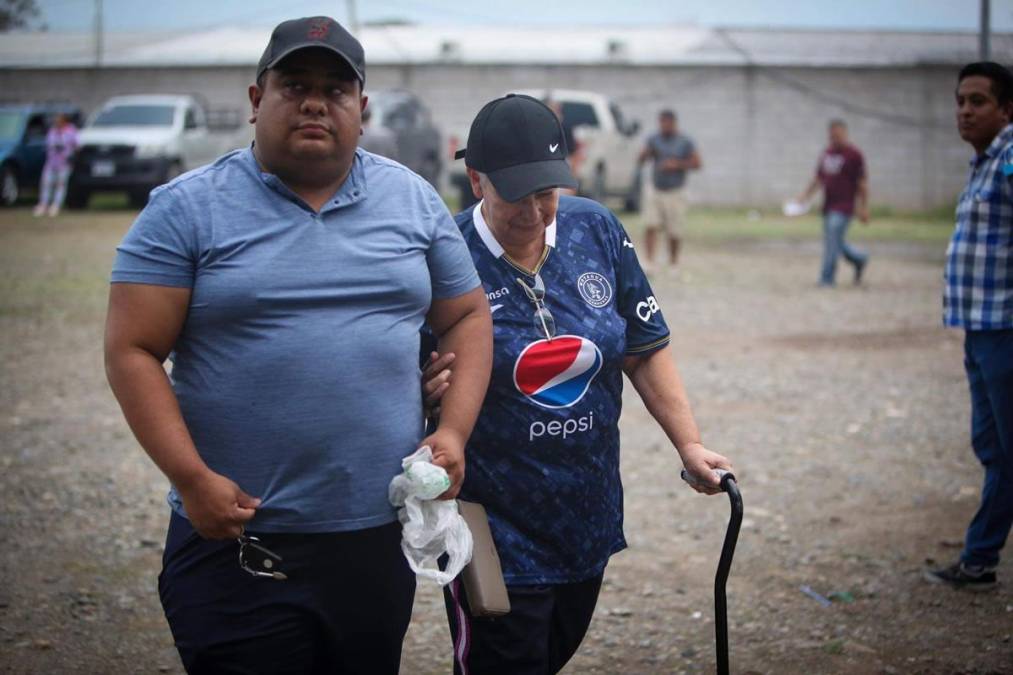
x=964, y=577
x=859, y=270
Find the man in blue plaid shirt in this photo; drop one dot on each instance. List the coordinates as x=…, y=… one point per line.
x=979, y=299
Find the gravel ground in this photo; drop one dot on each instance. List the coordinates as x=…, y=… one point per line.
x=845, y=412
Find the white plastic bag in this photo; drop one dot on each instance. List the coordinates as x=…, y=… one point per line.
x=429, y=527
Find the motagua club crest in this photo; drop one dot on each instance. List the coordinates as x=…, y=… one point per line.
x=595, y=289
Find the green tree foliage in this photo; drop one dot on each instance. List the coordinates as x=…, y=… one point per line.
x=17, y=14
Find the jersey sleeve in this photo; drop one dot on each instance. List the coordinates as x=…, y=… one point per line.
x=450, y=266
x=160, y=248
x=646, y=329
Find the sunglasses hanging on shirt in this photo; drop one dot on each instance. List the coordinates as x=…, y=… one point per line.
x=543, y=319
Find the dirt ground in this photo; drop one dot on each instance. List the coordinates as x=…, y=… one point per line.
x=845, y=411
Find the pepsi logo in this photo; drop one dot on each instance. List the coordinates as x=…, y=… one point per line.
x=557, y=373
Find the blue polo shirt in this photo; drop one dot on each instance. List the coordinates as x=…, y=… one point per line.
x=297, y=367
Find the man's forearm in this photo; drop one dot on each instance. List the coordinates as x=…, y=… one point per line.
x=470, y=339
x=810, y=189
x=151, y=409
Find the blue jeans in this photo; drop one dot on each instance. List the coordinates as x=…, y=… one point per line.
x=988, y=359
x=835, y=227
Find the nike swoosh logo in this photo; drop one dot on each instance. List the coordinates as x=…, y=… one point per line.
x=553, y=148
x=492, y=310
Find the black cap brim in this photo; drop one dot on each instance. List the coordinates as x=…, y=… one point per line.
x=310, y=45
x=513, y=183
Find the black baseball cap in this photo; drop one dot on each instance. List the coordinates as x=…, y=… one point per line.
x=313, y=31
x=518, y=142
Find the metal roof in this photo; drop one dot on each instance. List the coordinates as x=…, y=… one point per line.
x=417, y=44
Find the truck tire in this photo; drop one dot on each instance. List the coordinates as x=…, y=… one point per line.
x=138, y=197
x=175, y=169
x=10, y=190
x=430, y=170
x=77, y=198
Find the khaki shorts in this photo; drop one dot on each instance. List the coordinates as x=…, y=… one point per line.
x=665, y=210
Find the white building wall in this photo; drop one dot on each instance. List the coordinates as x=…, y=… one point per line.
x=758, y=136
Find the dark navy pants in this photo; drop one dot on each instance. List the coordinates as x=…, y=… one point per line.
x=988, y=359
x=544, y=628
x=344, y=608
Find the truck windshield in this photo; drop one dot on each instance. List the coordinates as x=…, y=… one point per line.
x=135, y=116
x=10, y=125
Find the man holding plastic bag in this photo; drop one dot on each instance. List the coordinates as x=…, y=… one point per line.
x=289, y=281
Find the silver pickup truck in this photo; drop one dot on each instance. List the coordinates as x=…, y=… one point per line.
x=133, y=144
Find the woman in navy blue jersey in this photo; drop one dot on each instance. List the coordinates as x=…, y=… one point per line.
x=572, y=312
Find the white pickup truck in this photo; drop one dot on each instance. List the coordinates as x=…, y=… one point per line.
x=135, y=143
x=605, y=162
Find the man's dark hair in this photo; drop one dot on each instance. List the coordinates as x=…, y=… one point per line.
x=998, y=74
x=837, y=122
x=667, y=113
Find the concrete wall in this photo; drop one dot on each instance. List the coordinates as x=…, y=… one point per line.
x=759, y=129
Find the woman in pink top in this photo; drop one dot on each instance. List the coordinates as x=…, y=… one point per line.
x=61, y=142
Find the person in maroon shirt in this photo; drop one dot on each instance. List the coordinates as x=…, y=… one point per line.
x=841, y=173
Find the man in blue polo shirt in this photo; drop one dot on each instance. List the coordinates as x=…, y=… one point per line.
x=289, y=281
x=979, y=299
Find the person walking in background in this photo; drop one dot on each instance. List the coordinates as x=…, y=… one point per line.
x=978, y=297
x=841, y=173
x=665, y=208
x=61, y=142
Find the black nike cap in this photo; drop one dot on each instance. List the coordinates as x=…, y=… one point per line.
x=518, y=142
x=313, y=31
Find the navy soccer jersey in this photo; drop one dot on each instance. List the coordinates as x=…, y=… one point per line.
x=544, y=455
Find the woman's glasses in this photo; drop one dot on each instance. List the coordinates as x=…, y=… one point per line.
x=544, y=321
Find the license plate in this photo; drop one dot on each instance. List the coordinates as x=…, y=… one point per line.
x=103, y=168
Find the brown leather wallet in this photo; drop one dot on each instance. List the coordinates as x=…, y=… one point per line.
x=483, y=576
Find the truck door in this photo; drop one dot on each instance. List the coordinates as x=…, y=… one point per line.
x=623, y=152
x=34, y=149
x=401, y=121
x=197, y=151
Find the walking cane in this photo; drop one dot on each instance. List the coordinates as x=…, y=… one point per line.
x=729, y=485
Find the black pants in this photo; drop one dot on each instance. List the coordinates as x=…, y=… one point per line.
x=344, y=608
x=545, y=626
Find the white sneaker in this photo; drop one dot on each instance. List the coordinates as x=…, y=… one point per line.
x=54, y=210
x=39, y=210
